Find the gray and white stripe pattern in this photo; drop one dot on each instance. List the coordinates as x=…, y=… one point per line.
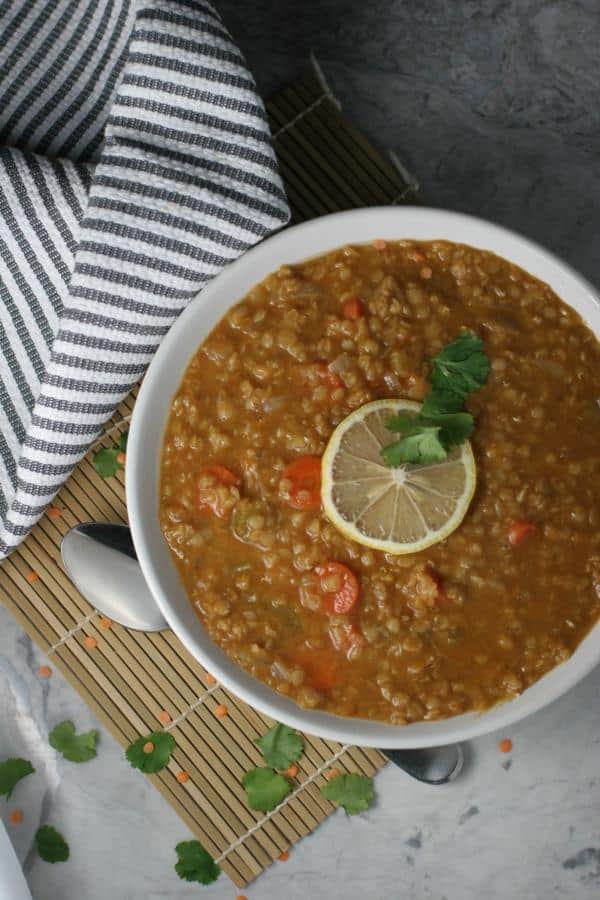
x=136, y=162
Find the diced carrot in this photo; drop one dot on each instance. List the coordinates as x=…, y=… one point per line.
x=44, y=671
x=16, y=816
x=164, y=717
x=353, y=309
x=221, y=711
x=32, y=577
x=121, y=458
x=210, y=679
x=283, y=857
x=505, y=745
x=339, y=585
x=148, y=747
x=54, y=512
x=519, y=530
x=182, y=777
x=320, y=667
x=325, y=374
x=222, y=474
x=379, y=244
x=207, y=498
x=331, y=774
x=305, y=475
x=291, y=771
x=90, y=642
x=105, y=624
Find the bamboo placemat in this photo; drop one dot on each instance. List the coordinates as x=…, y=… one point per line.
x=128, y=678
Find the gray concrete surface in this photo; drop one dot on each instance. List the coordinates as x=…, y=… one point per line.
x=493, y=104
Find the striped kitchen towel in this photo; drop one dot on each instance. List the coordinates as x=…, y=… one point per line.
x=135, y=163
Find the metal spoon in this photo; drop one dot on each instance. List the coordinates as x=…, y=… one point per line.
x=101, y=561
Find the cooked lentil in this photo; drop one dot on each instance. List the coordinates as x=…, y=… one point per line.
x=461, y=626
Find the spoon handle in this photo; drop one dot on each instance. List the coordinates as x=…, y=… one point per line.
x=431, y=765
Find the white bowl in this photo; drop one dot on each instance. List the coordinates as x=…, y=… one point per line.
x=150, y=416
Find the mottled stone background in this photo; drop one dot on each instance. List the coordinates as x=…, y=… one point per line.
x=493, y=105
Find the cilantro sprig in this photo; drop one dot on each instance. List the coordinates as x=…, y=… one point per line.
x=151, y=753
x=194, y=863
x=11, y=772
x=265, y=789
x=353, y=792
x=281, y=746
x=109, y=460
x=51, y=845
x=76, y=748
x=458, y=370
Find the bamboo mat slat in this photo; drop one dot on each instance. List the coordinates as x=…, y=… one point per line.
x=128, y=678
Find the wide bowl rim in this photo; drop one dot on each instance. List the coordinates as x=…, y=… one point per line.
x=288, y=246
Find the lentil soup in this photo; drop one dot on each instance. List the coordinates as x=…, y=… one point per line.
x=461, y=626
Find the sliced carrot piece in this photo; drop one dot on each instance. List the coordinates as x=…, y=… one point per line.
x=518, y=531
x=148, y=747
x=291, y=771
x=505, y=745
x=54, y=512
x=283, y=857
x=164, y=717
x=210, y=679
x=339, y=585
x=353, y=309
x=16, y=816
x=105, y=624
x=32, y=577
x=90, y=642
x=221, y=711
x=331, y=774
x=182, y=777
x=44, y=671
x=305, y=476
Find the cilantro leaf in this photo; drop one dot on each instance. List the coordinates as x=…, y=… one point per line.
x=461, y=366
x=105, y=462
x=454, y=428
x=195, y=863
x=74, y=747
x=420, y=449
x=441, y=401
x=156, y=758
x=404, y=422
x=281, y=746
x=265, y=789
x=353, y=792
x=11, y=772
x=51, y=845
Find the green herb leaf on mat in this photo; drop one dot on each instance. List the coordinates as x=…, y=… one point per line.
x=353, y=792
x=151, y=753
x=74, y=747
x=459, y=369
x=105, y=462
x=109, y=460
x=11, y=772
x=461, y=366
x=281, y=746
x=265, y=789
x=51, y=845
x=195, y=863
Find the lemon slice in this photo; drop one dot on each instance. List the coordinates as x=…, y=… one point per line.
x=397, y=510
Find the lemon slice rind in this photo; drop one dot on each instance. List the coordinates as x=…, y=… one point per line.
x=409, y=495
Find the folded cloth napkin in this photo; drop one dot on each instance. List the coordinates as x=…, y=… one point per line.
x=135, y=163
